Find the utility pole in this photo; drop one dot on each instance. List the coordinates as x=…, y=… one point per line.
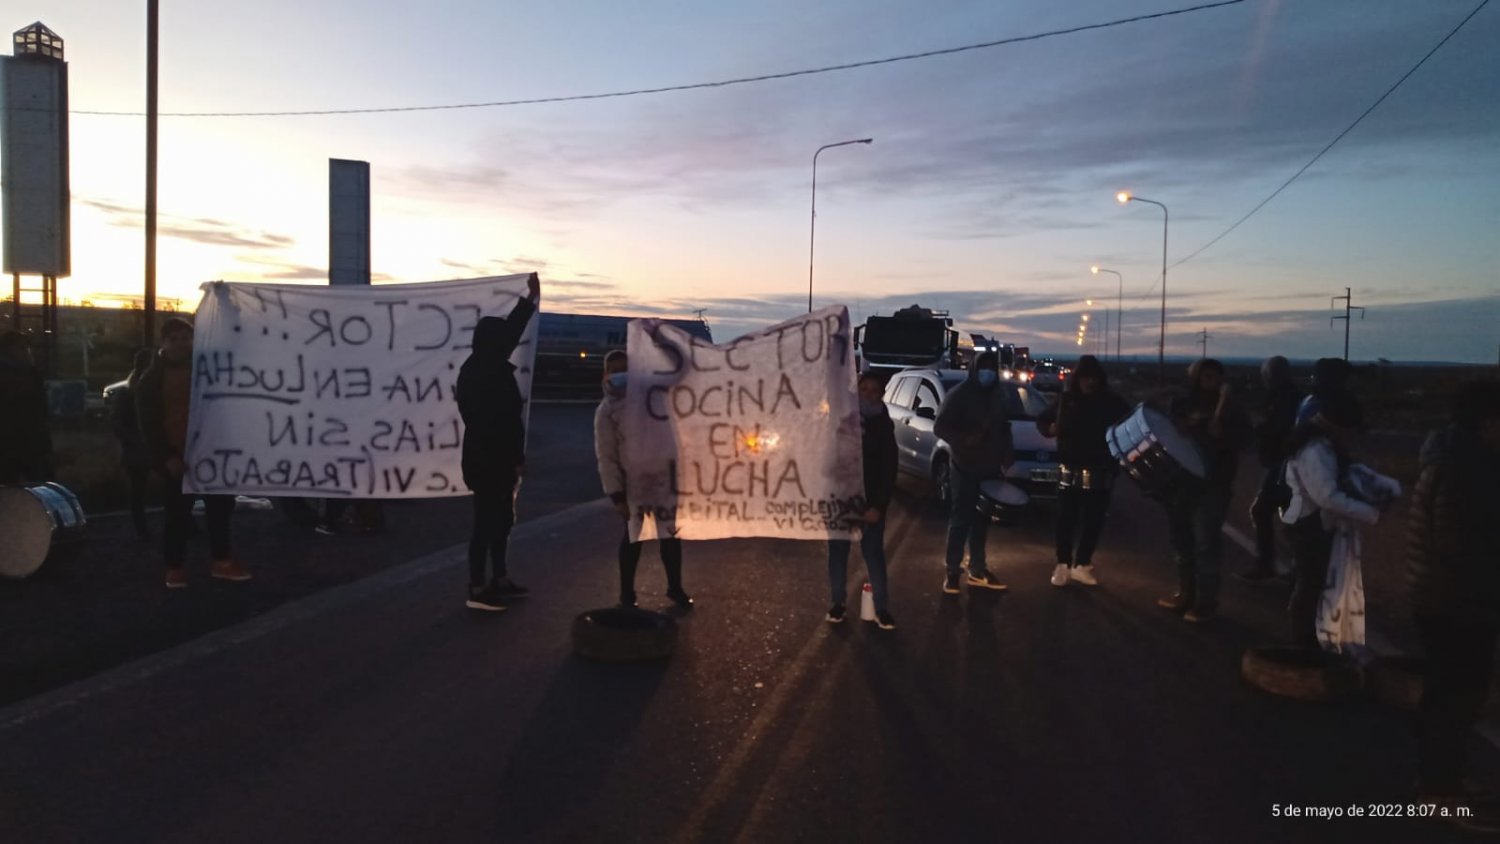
x=1203, y=338
x=1349, y=308
x=149, y=305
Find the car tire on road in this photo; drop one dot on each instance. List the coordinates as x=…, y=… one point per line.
x=619, y=634
x=942, y=478
x=1301, y=674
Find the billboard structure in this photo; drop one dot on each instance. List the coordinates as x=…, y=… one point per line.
x=34, y=163
x=348, y=221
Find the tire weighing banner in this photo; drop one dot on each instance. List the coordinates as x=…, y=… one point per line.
x=343, y=391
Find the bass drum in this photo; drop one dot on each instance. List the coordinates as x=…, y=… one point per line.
x=1153, y=452
x=31, y=519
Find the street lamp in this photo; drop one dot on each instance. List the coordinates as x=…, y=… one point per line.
x=1119, y=304
x=1124, y=197
x=812, y=227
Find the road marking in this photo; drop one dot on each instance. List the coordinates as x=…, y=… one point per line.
x=286, y=615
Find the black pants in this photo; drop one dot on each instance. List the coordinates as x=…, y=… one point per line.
x=1264, y=515
x=1460, y=657
x=494, y=516
x=1311, y=546
x=1080, y=520
x=136, y=476
x=630, y=558
x=178, y=518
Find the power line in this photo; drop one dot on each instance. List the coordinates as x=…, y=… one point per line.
x=1340, y=137
x=947, y=51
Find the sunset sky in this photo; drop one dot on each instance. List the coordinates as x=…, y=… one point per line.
x=989, y=189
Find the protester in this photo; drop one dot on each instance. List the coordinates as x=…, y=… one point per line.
x=162, y=398
x=25, y=439
x=1319, y=464
x=879, y=439
x=1079, y=419
x=135, y=458
x=609, y=449
x=1209, y=414
x=974, y=422
x=1330, y=378
x=1272, y=437
x=494, y=449
x=1453, y=570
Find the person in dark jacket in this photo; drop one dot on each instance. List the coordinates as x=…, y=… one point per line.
x=975, y=423
x=1208, y=414
x=494, y=449
x=1453, y=571
x=1079, y=419
x=879, y=447
x=1272, y=434
x=25, y=438
x=162, y=402
x=134, y=457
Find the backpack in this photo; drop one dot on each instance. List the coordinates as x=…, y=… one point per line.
x=1279, y=493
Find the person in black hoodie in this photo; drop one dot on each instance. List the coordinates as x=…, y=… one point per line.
x=1079, y=419
x=1272, y=435
x=494, y=450
x=134, y=456
x=25, y=438
x=879, y=439
x=975, y=422
x=1453, y=573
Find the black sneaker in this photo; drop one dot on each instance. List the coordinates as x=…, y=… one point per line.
x=950, y=583
x=885, y=621
x=627, y=601
x=507, y=588
x=680, y=598
x=835, y=614
x=986, y=580
x=486, y=599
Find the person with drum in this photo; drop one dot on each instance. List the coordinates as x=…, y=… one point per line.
x=25, y=438
x=975, y=423
x=1078, y=420
x=162, y=400
x=1208, y=414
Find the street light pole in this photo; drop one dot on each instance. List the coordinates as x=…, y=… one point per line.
x=812, y=228
x=1119, y=304
x=1161, y=344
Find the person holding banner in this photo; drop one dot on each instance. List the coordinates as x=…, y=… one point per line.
x=494, y=449
x=880, y=481
x=163, y=399
x=609, y=449
x=974, y=422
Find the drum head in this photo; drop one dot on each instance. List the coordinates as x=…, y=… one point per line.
x=1003, y=492
x=1181, y=448
x=27, y=530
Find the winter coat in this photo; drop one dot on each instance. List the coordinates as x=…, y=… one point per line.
x=976, y=425
x=1453, y=531
x=491, y=404
x=124, y=422
x=1085, y=419
x=1221, y=444
x=163, y=399
x=1279, y=417
x=1313, y=475
x=879, y=447
x=609, y=445
x=25, y=438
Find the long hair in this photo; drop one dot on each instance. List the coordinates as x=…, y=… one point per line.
x=1088, y=367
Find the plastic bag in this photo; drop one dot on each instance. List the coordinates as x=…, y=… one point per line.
x=1341, y=608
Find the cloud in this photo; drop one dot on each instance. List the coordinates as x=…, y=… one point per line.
x=197, y=229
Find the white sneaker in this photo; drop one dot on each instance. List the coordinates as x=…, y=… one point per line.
x=1060, y=575
x=1085, y=575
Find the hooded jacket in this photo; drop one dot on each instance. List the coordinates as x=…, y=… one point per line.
x=491, y=404
x=1453, y=531
x=1279, y=417
x=879, y=447
x=162, y=403
x=1194, y=413
x=975, y=423
x=1085, y=419
x=609, y=443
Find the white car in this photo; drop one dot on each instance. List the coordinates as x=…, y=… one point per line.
x=913, y=397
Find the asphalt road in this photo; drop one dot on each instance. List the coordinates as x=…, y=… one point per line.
x=382, y=710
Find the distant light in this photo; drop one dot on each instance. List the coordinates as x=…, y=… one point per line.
x=1090, y=303
x=1123, y=196
x=1080, y=342
x=582, y=355
x=1086, y=316
x=1094, y=269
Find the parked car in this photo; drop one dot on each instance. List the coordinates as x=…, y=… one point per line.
x=913, y=397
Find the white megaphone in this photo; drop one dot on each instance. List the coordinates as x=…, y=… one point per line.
x=867, y=603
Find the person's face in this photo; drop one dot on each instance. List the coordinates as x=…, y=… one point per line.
x=1210, y=380
x=177, y=346
x=1088, y=384
x=869, y=389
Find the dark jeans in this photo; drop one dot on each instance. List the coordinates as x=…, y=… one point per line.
x=966, y=524
x=1195, y=523
x=494, y=516
x=630, y=558
x=136, y=476
x=178, y=520
x=1460, y=656
x=872, y=546
x=1264, y=515
x=1311, y=546
x=1080, y=521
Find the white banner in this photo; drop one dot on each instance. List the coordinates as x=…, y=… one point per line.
x=338, y=391
x=759, y=437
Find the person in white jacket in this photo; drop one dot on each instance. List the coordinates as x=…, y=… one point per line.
x=609, y=449
x=1319, y=463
